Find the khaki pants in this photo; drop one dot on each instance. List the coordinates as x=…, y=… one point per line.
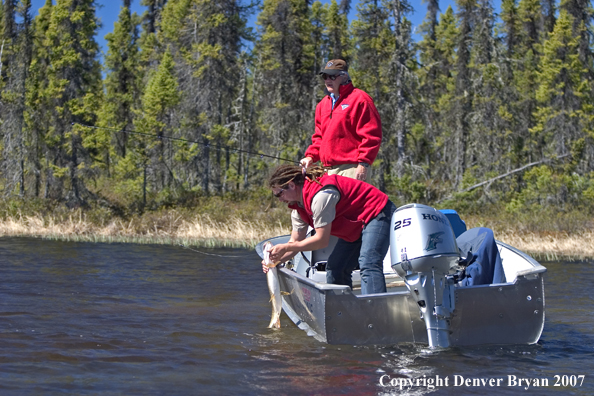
x=348, y=170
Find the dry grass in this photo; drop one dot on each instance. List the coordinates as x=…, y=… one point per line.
x=535, y=238
x=552, y=246
x=171, y=228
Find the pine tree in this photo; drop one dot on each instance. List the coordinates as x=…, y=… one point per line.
x=157, y=116
x=528, y=23
x=37, y=105
x=466, y=17
x=428, y=72
x=484, y=139
x=549, y=9
x=375, y=44
x=286, y=73
x=152, y=17
x=336, y=24
x=122, y=83
x=74, y=89
x=209, y=70
x=439, y=149
x=582, y=14
x=16, y=61
x=242, y=121
x=561, y=91
x=401, y=84
x=508, y=128
x=9, y=36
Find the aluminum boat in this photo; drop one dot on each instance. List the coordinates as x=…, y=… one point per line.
x=446, y=286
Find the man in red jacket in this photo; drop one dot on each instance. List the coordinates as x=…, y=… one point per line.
x=348, y=130
x=356, y=212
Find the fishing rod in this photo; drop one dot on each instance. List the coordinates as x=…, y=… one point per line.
x=215, y=146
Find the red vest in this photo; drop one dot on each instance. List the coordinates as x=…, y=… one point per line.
x=359, y=203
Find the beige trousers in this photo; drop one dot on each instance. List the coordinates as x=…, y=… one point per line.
x=348, y=170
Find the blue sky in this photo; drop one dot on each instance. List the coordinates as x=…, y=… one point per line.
x=108, y=11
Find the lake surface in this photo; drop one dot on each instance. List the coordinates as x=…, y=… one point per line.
x=117, y=319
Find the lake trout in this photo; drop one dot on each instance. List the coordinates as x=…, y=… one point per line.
x=273, y=288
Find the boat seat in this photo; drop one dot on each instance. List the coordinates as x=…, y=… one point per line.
x=484, y=266
x=458, y=225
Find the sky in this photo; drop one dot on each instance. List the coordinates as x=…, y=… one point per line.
x=108, y=11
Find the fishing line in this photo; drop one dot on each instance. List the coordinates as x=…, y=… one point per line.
x=212, y=254
x=215, y=146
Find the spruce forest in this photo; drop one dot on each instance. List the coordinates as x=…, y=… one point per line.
x=480, y=108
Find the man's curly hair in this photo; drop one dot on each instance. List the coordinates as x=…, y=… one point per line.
x=285, y=174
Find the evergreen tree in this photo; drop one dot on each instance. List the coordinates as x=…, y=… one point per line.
x=440, y=134
x=336, y=23
x=9, y=36
x=37, y=104
x=375, y=45
x=209, y=70
x=286, y=73
x=442, y=142
x=158, y=115
x=74, y=90
x=524, y=58
x=509, y=127
x=122, y=83
x=549, y=9
x=429, y=70
x=16, y=61
x=582, y=14
x=242, y=121
x=152, y=17
x=484, y=140
x=561, y=91
x=401, y=84
x=466, y=18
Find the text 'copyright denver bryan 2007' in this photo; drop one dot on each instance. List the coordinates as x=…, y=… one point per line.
x=565, y=381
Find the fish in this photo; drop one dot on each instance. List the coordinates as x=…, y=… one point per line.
x=273, y=288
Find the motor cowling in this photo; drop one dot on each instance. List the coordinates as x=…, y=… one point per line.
x=423, y=250
x=422, y=239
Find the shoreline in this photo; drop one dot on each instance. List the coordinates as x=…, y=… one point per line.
x=203, y=231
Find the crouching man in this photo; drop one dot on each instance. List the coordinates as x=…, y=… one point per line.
x=354, y=211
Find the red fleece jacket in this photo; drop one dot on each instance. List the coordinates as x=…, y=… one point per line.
x=349, y=134
x=359, y=203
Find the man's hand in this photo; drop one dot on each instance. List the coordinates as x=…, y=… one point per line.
x=361, y=173
x=278, y=251
x=306, y=162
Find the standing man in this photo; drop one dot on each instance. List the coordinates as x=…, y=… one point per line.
x=348, y=130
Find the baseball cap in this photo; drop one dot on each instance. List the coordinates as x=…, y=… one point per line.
x=335, y=67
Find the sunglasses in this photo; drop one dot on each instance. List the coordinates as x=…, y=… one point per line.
x=278, y=194
x=327, y=76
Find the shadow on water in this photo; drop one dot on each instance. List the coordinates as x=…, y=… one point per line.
x=87, y=319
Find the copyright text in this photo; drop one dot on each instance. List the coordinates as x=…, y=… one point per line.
x=402, y=383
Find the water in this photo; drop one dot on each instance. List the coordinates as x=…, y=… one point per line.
x=115, y=319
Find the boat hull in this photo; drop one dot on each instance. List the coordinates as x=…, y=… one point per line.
x=506, y=313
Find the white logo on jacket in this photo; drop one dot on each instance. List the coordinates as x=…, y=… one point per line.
x=344, y=106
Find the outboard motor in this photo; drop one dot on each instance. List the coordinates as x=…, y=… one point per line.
x=423, y=250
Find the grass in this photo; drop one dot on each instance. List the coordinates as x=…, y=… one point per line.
x=550, y=236
x=170, y=228
x=243, y=222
